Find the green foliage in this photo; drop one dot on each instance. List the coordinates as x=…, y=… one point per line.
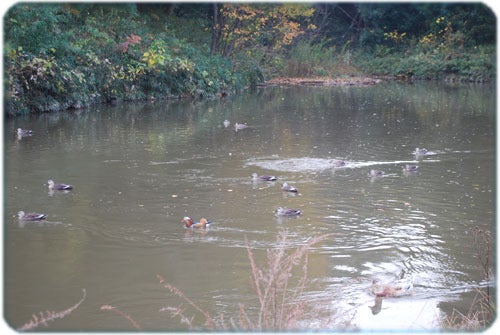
x=61, y=56
x=426, y=41
x=317, y=59
x=443, y=52
x=69, y=55
x=477, y=65
x=37, y=27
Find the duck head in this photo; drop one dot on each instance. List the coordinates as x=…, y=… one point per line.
x=188, y=222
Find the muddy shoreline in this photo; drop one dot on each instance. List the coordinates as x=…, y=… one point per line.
x=323, y=81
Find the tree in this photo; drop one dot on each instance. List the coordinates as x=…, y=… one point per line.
x=243, y=26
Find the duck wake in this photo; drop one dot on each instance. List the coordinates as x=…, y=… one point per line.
x=308, y=164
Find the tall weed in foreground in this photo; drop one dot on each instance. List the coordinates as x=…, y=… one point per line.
x=279, y=285
x=43, y=318
x=478, y=317
x=482, y=311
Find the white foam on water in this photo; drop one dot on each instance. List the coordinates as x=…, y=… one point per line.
x=308, y=164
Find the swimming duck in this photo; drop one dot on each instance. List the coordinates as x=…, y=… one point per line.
x=188, y=223
x=280, y=211
x=30, y=216
x=410, y=168
x=59, y=187
x=338, y=163
x=239, y=126
x=24, y=132
x=226, y=123
x=256, y=177
x=288, y=188
x=423, y=152
x=376, y=173
x=396, y=289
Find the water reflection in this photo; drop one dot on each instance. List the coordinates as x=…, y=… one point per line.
x=139, y=169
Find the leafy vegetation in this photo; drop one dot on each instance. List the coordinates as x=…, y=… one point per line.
x=59, y=56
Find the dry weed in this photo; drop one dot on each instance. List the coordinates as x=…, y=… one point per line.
x=43, y=318
x=278, y=284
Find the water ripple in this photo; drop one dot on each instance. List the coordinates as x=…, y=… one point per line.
x=309, y=164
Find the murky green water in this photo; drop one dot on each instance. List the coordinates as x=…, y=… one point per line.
x=137, y=170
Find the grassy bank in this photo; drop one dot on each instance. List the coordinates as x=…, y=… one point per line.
x=417, y=62
x=59, y=57
x=66, y=56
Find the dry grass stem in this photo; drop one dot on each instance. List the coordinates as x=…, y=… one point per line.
x=479, y=315
x=126, y=316
x=279, y=285
x=281, y=306
x=209, y=321
x=43, y=318
x=482, y=310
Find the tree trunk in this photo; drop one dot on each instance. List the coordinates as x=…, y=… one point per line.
x=215, y=30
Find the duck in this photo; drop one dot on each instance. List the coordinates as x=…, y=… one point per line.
x=410, y=168
x=338, y=163
x=31, y=216
x=420, y=152
x=239, y=126
x=58, y=187
x=396, y=289
x=256, y=177
x=423, y=152
x=226, y=123
x=376, y=173
x=280, y=211
x=288, y=188
x=24, y=132
x=188, y=223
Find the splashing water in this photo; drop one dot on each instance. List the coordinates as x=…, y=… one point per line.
x=308, y=164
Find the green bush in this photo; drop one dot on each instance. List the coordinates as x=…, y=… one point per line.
x=70, y=55
x=308, y=59
x=61, y=56
x=477, y=64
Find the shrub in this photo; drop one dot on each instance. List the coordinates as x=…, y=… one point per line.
x=69, y=56
x=278, y=285
x=307, y=59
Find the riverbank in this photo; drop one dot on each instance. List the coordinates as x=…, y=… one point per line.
x=324, y=81
x=69, y=56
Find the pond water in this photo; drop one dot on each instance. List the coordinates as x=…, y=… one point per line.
x=138, y=169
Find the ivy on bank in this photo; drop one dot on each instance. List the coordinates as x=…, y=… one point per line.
x=94, y=61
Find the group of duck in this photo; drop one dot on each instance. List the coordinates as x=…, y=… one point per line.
x=237, y=126
x=380, y=290
x=401, y=286
x=280, y=211
x=204, y=223
x=52, y=185
x=408, y=168
x=397, y=288
x=286, y=187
